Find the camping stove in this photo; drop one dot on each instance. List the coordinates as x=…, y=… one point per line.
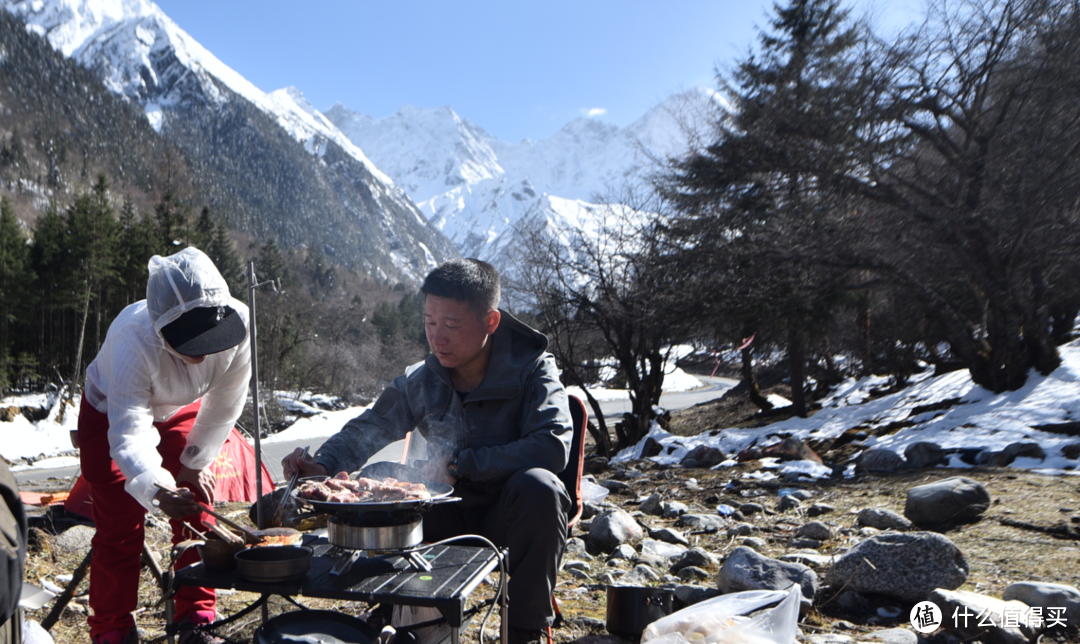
x=377, y=535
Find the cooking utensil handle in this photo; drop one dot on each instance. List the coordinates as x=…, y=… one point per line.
x=207, y=509
x=288, y=490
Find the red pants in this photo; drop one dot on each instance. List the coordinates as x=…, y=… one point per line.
x=118, y=518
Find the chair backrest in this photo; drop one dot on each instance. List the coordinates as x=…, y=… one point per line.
x=571, y=476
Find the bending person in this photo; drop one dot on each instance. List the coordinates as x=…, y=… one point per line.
x=160, y=400
x=497, y=422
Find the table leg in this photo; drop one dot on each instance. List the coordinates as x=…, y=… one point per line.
x=455, y=635
x=170, y=610
x=504, y=622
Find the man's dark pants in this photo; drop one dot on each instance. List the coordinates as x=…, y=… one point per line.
x=527, y=513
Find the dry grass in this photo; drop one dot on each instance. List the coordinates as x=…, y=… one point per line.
x=998, y=555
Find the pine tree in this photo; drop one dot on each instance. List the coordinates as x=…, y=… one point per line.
x=173, y=219
x=139, y=242
x=271, y=265
x=203, y=230
x=768, y=179
x=95, y=232
x=16, y=280
x=222, y=251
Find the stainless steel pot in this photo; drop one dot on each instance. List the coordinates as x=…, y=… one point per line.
x=274, y=565
x=359, y=534
x=631, y=608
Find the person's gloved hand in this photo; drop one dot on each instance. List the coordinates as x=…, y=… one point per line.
x=305, y=463
x=201, y=481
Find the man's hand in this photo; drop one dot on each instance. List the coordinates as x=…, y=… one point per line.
x=435, y=470
x=304, y=463
x=202, y=481
x=178, y=504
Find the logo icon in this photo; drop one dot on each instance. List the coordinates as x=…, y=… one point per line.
x=925, y=617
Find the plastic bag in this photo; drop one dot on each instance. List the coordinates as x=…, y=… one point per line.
x=593, y=493
x=721, y=620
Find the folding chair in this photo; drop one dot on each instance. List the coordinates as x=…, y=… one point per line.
x=571, y=478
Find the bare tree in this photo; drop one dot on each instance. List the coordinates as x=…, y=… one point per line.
x=605, y=283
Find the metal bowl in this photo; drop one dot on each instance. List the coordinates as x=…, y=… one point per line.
x=274, y=565
x=404, y=532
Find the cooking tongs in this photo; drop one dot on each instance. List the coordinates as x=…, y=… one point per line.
x=279, y=517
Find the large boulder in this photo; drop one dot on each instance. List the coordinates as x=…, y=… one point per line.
x=613, y=528
x=925, y=454
x=879, y=460
x=882, y=519
x=705, y=456
x=907, y=566
x=955, y=499
x=694, y=557
x=971, y=616
x=745, y=569
x=1046, y=596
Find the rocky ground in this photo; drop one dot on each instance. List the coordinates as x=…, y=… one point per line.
x=859, y=561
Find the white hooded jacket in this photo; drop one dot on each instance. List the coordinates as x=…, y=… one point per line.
x=136, y=380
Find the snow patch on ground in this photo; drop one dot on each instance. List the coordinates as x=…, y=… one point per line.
x=971, y=417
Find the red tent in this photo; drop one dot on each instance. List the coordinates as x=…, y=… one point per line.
x=234, y=468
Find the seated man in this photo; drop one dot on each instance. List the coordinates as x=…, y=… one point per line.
x=489, y=395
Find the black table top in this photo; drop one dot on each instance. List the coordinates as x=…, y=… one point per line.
x=455, y=572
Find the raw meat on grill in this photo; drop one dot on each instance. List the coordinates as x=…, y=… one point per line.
x=341, y=489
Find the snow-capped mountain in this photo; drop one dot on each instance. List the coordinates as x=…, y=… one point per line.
x=477, y=189
x=325, y=195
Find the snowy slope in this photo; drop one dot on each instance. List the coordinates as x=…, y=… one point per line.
x=973, y=418
x=476, y=188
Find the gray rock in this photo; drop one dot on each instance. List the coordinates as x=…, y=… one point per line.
x=590, y=510
x=829, y=638
x=74, y=539
x=705, y=456
x=690, y=594
x=802, y=495
x=577, y=565
x=655, y=561
x=616, y=487
x=953, y=499
x=906, y=566
x=883, y=519
x=984, y=610
x=667, y=535
x=624, y=551
x=853, y=602
x=700, y=522
x=895, y=636
x=583, y=575
x=641, y=574
x=628, y=474
x=1013, y=451
x=756, y=543
x=745, y=569
x=1045, y=595
x=606, y=578
x=805, y=542
x=815, y=530
x=750, y=509
x=575, y=545
x=868, y=532
x=613, y=528
x=925, y=454
x=694, y=557
x=672, y=509
x=588, y=623
x=879, y=460
x=661, y=549
x=652, y=505
x=693, y=573
x=788, y=503
x=819, y=509
x=812, y=559
x=741, y=530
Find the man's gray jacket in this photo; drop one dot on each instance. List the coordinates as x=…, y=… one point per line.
x=517, y=419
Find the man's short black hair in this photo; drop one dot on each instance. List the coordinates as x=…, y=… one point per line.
x=466, y=280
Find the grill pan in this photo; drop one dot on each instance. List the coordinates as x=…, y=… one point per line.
x=440, y=493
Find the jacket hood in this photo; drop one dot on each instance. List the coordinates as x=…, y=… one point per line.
x=181, y=282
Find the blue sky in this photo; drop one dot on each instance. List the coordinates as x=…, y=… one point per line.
x=518, y=69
